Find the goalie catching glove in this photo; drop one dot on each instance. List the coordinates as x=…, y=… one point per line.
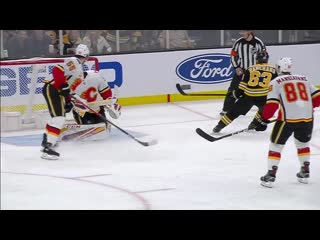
x=114, y=108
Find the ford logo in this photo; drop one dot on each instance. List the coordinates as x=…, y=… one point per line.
x=206, y=68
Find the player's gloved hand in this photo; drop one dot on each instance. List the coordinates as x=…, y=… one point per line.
x=114, y=108
x=65, y=90
x=80, y=105
x=259, y=124
x=68, y=106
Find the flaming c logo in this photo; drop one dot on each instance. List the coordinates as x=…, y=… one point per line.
x=90, y=95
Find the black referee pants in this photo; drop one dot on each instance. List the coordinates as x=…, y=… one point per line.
x=229, y=99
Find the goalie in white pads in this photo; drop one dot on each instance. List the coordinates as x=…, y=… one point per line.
x=95, y=92
x=297, y=97
x=64, y=80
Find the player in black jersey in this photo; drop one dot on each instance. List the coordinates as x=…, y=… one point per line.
x=252, y=90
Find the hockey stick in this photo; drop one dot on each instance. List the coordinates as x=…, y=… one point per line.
x=100, y=103
x=180, y=89
x=152, y=142
x=213, y=139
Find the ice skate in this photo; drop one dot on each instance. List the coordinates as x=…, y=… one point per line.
x=269, y=179
x=47, y=150
x=304, y=173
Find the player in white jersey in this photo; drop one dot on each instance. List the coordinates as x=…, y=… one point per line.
x=56, y=91
x=296, y=97
x=95, y=92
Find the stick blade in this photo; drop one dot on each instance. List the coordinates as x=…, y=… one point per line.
x=178, y=86
x=206, y=135
x=148, y=143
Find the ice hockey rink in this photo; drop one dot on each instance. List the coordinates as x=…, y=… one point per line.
x=182, y=171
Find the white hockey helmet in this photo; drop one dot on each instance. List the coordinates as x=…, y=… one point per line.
x=284, y=64
x=82, y=50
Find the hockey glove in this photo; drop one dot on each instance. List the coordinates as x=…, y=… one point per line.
x=114, y=109
x=65, y=90
x=259, y=124
x=79, y=106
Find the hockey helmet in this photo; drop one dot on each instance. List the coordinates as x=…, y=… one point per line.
x=262, y=57
x=284, y=64
x=82, y=50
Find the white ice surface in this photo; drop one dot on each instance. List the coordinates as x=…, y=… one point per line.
x=183, y=171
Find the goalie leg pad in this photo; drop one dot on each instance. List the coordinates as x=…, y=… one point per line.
x=88, y=132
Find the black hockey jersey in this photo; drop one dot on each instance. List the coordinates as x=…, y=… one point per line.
x=256, y=79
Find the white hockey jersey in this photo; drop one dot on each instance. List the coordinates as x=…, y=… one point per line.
x=74, y=71
x=294, y=93
x=93, y=88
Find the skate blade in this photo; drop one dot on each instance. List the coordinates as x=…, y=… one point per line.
x=49, y=157
x=303, y=180
x=267, y=184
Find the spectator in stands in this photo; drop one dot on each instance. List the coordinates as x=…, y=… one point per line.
x=96, y=43
x=177, y=39
x=18, y=45
x=124, y=39
x=70, y=42
x=6, y=40
x=54, y=35
x=136, y=40
x=230, y=36
x=205, y=38
x=39, y=44
x=150, y=39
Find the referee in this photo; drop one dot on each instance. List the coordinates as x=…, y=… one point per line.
x=243, y=55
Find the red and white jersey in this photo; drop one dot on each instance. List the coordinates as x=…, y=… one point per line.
x=296, y=96
x=71, y=72
x=93, y=87
x=73, y=69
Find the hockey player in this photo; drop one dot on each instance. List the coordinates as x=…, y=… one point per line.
x=94, y=92
x=296, y=97
x=252, y=90
x=56, y=91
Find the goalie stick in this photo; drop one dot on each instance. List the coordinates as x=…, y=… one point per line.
x=152, y=142
x=180, y=89
x=100, y=103
x=213, y=139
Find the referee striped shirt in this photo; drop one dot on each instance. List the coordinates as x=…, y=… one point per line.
x=243, y=53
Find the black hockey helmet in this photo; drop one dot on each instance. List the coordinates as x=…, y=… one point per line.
x=262, y=57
